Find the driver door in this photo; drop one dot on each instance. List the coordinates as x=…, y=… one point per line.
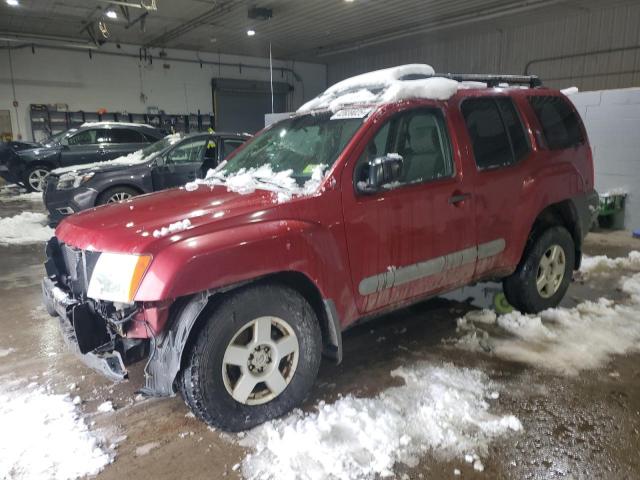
x=414, y=237
x=180, y=165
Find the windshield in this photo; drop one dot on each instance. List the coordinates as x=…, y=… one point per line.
x=300, y=145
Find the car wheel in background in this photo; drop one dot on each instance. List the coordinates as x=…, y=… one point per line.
x=544, y=273
x=254, y=359
x=116, y=194
x=35, y=177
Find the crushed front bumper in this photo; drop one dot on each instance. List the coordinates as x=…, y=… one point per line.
x=84, y=331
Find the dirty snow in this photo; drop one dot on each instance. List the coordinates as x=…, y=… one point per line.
x=22, y=197
x=563, y=340
x=146, y=448
x=105, y=407
x=176, y=227
x=4, y=352
x=45, y=437
x=602, y=264
x=26, y=227
x=442, y=410
x=246, y=181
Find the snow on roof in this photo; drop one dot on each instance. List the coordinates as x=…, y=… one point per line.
x=114, y=123
x=384, y=86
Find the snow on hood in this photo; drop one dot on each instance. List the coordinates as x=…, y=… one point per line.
x=384, y=86
x=134, y=158
x=246, y=181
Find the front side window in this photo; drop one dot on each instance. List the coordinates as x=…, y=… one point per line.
x=560, y=123
x=190, y=151
x=496, y=132
x=299, y=144
x=123, y=135
x=420, y=138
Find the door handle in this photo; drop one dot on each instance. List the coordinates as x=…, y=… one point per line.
x=458, y=198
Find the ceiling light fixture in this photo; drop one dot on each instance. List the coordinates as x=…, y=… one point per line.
x=13, y=3
x=251, y=33
x=112, y=14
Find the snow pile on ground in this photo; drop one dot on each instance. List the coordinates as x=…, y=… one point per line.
x=601, y=264
x=564, y=340
x=44, y=437
x=388, y=85
x=440, y=410
x=27, y=227
x=247, y=181
x=176, y=227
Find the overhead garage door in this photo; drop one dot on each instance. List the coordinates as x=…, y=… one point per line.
x=240, y=105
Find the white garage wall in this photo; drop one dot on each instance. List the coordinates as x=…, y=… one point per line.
x=114, y=83
x=612, y=119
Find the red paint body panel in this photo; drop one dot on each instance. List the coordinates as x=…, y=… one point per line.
x=337, y=237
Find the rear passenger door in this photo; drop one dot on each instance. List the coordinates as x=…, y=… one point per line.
x=499, y=148
x=416, y=236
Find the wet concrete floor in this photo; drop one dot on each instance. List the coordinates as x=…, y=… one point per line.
x=587, y=426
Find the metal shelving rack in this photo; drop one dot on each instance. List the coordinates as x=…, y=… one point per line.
x=46, y=120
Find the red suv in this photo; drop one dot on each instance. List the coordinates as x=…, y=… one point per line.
x=387, y=189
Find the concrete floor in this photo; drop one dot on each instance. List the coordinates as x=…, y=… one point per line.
x=586, y=426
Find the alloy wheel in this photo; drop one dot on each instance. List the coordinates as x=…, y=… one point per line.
x=119, y=197
x=37, y=179
x=551, y=271
x=260, y=360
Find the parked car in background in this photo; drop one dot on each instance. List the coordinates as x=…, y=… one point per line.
x=8, y=151
x=172, y=161
x=89, y=143
x=388, y=189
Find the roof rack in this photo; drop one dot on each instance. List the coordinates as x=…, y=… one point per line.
x=532, y=81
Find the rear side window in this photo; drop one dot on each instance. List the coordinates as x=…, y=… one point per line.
x=496, y=132
x=123, y=135
x=559, y=121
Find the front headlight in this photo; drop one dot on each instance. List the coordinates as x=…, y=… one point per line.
x=73, y=180
x=117, y=276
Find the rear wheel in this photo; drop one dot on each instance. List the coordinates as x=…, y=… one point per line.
x=116, y=194
x=35, y=177
x=255, y=359
x=544, y=274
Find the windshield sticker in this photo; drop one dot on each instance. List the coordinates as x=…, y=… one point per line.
x=351, y=113
x=308, y=170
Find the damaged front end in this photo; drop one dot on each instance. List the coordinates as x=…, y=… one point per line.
x=106, y=335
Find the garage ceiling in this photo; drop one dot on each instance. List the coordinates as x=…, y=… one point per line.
x=300, y=29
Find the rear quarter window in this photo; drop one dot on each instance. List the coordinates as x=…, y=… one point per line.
x=559, y=121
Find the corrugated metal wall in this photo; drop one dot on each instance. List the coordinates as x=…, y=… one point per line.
x=512, y=47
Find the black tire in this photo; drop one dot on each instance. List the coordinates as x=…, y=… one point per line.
x=520, y=288
x=106, y=196
x=201, y=380
x=27, y=181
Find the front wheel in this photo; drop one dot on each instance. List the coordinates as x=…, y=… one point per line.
x=255, y=359
x=35, y=178
x=115, y=195
x=544, y=273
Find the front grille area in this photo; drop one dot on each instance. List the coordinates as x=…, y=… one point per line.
x=74, y=266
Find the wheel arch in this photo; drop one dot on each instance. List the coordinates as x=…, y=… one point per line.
x=132, y=186
x=565, y=214
x=189, y=314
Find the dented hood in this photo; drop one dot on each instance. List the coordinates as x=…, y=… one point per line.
x=129, y=227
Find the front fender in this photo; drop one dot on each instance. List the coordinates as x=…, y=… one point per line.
x=218, y=259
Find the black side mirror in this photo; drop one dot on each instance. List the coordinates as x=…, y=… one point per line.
x=380, y=172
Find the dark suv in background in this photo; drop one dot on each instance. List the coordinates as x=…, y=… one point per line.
x=91, y=142
x=170, y=162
